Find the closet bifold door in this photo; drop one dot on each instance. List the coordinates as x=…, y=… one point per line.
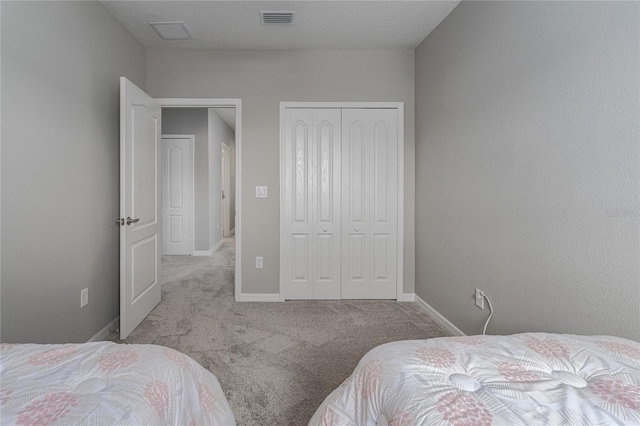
x=369, y=203
x=310, y=238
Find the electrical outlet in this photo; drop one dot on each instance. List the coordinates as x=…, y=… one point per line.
x=479, y=299
x=84, y=297
x=261, y=192
x=259, y=262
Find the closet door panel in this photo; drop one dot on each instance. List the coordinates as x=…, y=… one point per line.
x=325, y=252
x=300, y=256
x=381, y=172
x=301, y=175
x=326, y=205
x=356, y=190
x=326, y=140
x=297, y=259
x=356, y=150
x=311, y=249
x=357, y=256
x=370, y=182
x=381, y=252
x=384, y=202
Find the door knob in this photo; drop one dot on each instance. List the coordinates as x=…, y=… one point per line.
x=357, y=230
x=120, y=221
x=324, y=229
x=130, y=221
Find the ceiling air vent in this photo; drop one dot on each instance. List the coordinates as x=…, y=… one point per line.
x=171, y=30
x=276, y=18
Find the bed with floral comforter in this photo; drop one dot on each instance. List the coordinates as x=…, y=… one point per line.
x=524, y=379
x=107, y=383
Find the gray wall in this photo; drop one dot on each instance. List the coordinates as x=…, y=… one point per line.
x=61, y=62
x=219, y=132
x=528, y=166
x=264, y=78
x=194, y=121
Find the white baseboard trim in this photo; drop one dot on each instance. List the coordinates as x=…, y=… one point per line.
x=259, y=297
x=439, y=317
x=102, y=334
x=208, y=252
x=407, y=297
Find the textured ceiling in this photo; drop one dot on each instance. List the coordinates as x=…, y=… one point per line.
x=317, y=25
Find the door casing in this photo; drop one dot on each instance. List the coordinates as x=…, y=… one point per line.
x=399, y=106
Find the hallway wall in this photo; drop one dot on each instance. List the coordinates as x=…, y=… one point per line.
x=219, y=132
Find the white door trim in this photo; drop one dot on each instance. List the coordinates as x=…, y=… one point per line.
x=193, y=182
x=217, y=103
x=359, y=105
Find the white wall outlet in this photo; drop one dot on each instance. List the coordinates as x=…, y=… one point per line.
x=84, y=297
x=479, y=299
x=258, y=262
x=261, y=192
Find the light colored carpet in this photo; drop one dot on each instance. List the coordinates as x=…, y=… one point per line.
x=276, y=362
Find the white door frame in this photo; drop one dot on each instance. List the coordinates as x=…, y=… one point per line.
x=399, y=106
x=193, y=182
x=218, y=103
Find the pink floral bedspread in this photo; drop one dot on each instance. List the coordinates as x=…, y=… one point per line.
x=107, y=383
x=524, y=379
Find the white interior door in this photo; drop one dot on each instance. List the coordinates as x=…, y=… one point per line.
x=226, y=190
x=177, y=194
x=370, y=203
x=310, y=239
x=140, y=128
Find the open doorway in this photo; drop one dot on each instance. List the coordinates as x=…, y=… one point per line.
x=198, y=204
x=213, y=126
